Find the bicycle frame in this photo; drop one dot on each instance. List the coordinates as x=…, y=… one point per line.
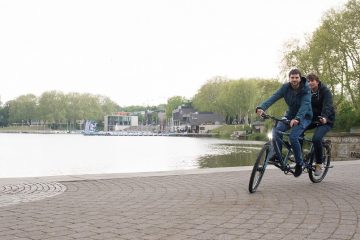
x=283, y=161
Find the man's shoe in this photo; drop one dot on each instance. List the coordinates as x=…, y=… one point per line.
x=298, y=170
x=318, y=169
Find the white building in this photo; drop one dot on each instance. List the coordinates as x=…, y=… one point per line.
x=120, y=121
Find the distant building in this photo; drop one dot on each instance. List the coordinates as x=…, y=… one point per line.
x=162, y=120
x=203, y=122
x=120, y=121
x=187, y=119
x=198, y=118
x=181, y=115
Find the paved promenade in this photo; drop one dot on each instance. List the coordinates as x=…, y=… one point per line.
x=198, y=204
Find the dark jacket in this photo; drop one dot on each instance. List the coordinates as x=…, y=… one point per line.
x=322, y=104
x=298, y=100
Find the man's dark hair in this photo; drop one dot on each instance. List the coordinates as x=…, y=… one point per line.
x=312, y=76
x=294, y=72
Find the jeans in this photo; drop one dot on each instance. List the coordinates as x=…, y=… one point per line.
x=295, y=133
x=319, y=134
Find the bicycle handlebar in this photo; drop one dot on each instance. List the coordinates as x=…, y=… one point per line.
x=284, y=120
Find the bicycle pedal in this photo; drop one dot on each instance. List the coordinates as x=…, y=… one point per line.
x=290, y=171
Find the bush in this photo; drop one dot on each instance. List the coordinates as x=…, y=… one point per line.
x=346, y=118
x=225, y=131
x=257, y=137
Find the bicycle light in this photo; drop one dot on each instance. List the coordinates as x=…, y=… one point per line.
x=269, y=135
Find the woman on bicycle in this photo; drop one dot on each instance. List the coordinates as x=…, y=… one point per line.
x=323, y=112
x=297, y=96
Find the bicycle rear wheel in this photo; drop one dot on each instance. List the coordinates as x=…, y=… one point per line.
x=325, y=163
x=259, y=168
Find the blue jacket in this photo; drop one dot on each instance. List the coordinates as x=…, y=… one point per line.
x=298, y=101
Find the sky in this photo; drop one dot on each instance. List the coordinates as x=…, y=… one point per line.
x=143, y=52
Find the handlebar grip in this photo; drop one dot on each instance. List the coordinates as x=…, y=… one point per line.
x=265, y=116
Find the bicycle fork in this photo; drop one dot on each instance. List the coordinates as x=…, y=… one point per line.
x=282, y=163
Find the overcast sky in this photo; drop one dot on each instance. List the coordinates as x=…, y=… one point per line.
x=141, y=52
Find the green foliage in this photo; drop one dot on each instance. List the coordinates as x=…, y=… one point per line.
x=107, y=105
x=333, y=51
x=133, y=108
x=225, y=131
x=54, y=107
x=4, y=115
x=266, y=89
x=207, y=97
x=23, y=108
x=257, y=137
x=235, y=99
x=173, y=103
x=347, y=117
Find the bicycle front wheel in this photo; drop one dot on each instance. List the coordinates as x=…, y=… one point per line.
x=259, y=168
x=324, y=166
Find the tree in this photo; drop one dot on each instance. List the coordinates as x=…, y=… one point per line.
x=207, y=97
x=333, y=51
x=23, y=109
x=73, y=108
x=107, y=105
x=266, y=89
x=52, y=107
x=4, y=114
x=172, y=104
x=90, y=107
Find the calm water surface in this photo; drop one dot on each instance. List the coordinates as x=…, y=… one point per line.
x=29, y=155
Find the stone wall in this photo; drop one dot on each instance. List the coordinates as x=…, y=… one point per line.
x=345, y=146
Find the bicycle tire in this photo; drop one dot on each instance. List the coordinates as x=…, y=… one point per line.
x=326, y=164
x=259, y=168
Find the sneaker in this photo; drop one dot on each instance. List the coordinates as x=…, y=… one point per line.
x=298, y=170
x=318, y=169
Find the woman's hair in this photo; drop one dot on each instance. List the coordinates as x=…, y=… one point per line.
x=312, y=76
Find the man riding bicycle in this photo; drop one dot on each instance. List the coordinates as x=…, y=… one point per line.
x=297, y=96
x=323, y=112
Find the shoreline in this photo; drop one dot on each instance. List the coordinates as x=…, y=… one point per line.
x=119, y=133
x=39, y=132
x=102, y=176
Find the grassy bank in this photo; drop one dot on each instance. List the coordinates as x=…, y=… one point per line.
x=225, y=131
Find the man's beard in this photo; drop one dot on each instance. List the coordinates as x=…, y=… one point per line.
x=295, y=85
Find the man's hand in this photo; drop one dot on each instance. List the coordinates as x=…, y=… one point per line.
x=260, y=112
x=323, y=120
x=294, y=122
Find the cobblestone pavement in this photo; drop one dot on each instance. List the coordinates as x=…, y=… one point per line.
x=28, y=192
x=195, y=206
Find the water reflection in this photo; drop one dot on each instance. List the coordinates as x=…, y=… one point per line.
x=230, y=155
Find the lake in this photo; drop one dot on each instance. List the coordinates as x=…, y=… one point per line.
x=30, y=155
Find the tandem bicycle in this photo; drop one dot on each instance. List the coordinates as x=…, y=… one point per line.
x=284, y=160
